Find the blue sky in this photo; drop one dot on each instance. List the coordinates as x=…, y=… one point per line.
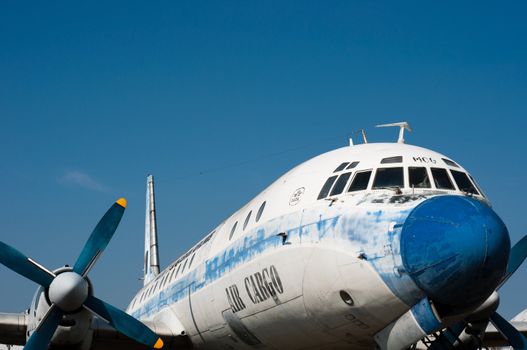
x=217, y=99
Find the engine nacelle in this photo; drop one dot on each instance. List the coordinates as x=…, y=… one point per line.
x=74, y=329
x=421, y=320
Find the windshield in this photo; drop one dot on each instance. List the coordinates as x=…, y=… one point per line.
x=441, y=179
x=463, y=182
x=418, y=177
x=388, y=177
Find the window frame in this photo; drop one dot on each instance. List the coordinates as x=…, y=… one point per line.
x=428, y=174
x=348, y=174
x=260, y=211
x=454, y=185
x=392, y=160
x=388, y=167
x=341, y=167
x=334, y=177
x=368, y=185
x=233, y=230
x=451, y=171
x=247, y=219
x=191, y=260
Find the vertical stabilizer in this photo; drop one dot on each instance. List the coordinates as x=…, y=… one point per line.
x=151, y=269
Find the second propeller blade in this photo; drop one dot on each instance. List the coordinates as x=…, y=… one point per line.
x=21, y=264
x=100, y=237
x=124, y=323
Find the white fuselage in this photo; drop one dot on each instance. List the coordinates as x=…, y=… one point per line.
x=302, y=272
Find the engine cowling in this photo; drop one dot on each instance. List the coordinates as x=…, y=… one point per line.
x=74, y=328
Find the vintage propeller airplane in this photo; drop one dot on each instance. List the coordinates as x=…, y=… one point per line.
x=375, y=245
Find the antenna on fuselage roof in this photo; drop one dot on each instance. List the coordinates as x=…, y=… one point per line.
x=363, y=136
x=401, y=125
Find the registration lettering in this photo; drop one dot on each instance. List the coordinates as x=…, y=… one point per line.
x=428, y=160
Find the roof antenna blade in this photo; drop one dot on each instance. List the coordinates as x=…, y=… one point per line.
x=401, y=125
x=356, y=132
x=364, y=135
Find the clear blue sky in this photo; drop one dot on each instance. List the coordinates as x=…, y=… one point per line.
x=96, y=95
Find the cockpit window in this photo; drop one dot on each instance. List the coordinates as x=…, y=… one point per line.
x=418, y=177
x=341, y=167
x=477, y=186
x=352, y=165
x=360, y=181
x=388, y=177
x=340, y=184
x=463, y=182
x=441, y=179
x=327, y=186
x=391, y=160
x=449, y=162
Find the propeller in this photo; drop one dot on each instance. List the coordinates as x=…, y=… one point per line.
x=516, y=258
x=517, y=340
x=69, y=291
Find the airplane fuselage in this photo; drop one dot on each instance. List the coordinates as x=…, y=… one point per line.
x=301, y=268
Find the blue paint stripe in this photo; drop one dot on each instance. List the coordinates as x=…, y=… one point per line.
x=345, y=229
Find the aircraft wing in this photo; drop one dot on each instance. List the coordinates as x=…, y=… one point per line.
x=493, y=338
x=13, y=332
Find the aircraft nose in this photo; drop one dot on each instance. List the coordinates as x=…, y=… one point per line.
x=455, y=249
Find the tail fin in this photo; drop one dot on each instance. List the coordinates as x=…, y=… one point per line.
x=151, y=268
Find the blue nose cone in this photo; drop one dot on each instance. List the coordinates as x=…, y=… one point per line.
x=455, y=249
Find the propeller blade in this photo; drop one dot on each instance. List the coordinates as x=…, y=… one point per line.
x=41, y=337
x=124, y=323
x=21, y=264
x=100, y=237
x=515, y=338
x=516, y=258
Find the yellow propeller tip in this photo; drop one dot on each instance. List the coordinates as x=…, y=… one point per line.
x=159, y=344
x=121, y=202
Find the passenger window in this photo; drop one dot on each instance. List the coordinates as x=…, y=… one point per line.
x=340, y=184
x=233, y=229
x=463, y=182
x=449, y=162
x=341, y=167
x=191, y=260
x=441, y=179
x=184, y=265
x=260, y=212
x=418, y=177
x=352, y=165
x=247, y=219
x=327, y=186
x=360, y=181
x=388, y=177
x=178, y=268
x=391, y=160
x=172, y=274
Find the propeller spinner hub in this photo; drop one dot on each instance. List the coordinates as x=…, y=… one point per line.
x=68, y=291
